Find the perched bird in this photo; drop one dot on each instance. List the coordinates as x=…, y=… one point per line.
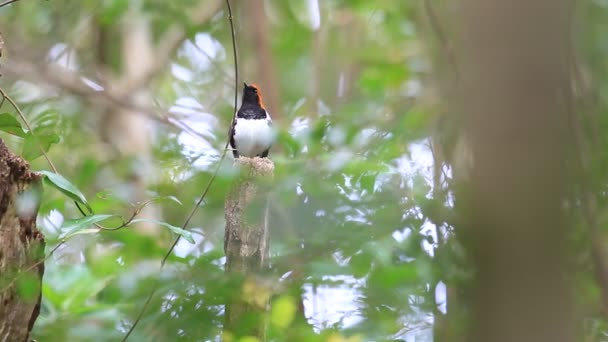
x=252, y=133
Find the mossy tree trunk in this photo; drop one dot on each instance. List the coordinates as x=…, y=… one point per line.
x=21, y=248
x=246, y=244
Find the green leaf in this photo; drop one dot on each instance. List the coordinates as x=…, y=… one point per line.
x=67, y=188
x=320, y=130
x=249, y=339
x=368, y=181
x=83, y=232
x=177, y=230
x=303, y=14
x=166, y=198
x=72, y=289
x=391, y=276
x=78, y=226
x=283, y=312
x=291, y=145
x=28, y=285
x=361, y=264
x=47, y=120
x=33, y=145
x=112, y=11
x=375, y=79
x=11, y=125
x=174, y=199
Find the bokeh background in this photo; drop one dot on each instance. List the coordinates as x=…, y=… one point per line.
x=132, y=101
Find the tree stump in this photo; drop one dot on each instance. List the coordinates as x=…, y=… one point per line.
x=246, y=244
x=21, y=247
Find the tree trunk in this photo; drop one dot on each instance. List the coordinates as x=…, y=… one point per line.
x=21, y=248
x=125, y=129
x=246, y=244
x=513, y=93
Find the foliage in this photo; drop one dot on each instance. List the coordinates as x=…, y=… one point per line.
x=359, y=227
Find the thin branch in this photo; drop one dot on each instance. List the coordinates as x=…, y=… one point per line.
x=171, y=41
x=27, y=124
x=5, y=96
x=126, y=223
x=211, y=60
x=206, y=190
x=137, y=210
x=38, y=263
x=8, y=2
x=63, y=78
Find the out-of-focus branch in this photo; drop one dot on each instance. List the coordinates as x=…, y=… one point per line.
x=169, y=42
x=113, y=90
x=57, y=76
x=8, y=2
x=26, y=123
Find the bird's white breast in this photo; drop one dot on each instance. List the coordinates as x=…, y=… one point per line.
x=253, y=136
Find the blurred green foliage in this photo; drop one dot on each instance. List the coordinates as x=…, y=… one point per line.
x=356, y=230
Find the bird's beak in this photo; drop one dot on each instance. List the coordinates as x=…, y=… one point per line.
x=246, y=85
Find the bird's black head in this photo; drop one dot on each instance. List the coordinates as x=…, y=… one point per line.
x=252, y=95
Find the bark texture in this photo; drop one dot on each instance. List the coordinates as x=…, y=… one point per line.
x=21, y=247
x=246, y=244
x=514, y=96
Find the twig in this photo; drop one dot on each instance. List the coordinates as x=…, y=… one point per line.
x=8, y=2
x=211, y=60
x=126, y=223
x=137, y=210
x=206, y=190
x=66, y=79
x=5, y=96
x=27, y=124
x=171, y=40
x=39, y=262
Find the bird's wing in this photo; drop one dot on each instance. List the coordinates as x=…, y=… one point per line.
x=235, y=153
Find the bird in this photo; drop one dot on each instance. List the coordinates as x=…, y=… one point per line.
x=252, y=133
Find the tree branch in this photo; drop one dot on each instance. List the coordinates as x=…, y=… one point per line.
x=8, y=2
x=63, y=78
x=170, y=41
